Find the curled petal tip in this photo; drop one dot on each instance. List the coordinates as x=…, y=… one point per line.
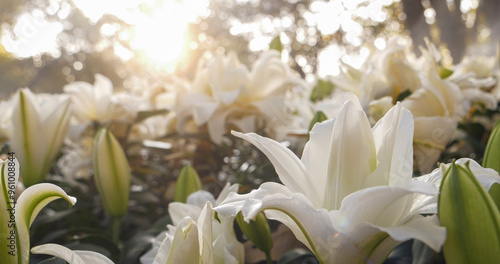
x=73, y=200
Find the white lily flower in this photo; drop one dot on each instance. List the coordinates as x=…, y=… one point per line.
x=71, y=256
x=473, y=75
x=91, y=102
x=39, y=129
x=397, y=68
x=17, y=216
x=226, y=94
x=437, y=105
x=351, y=198
x=222, y=245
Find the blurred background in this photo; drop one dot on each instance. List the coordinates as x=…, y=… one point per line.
x=140, y=44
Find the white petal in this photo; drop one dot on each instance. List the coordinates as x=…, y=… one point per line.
x=103, y=86
x=188, y=251
x=200, y=198
x=425, y=229
x=423, y=203
x=315, y=155
x=477, y=95
x=425, y=102
x=269, y=74
x=203, y=111
x=245, y=124
x=273, y=108
x=72, y=257
x=178, y=211
x=393, y=136
x=290, y=169
x=217, y=125
x=486, y=176
x=311, y=226
x=382, y=206
x=204, y=223
x=352, y=156
x=181, y=245
x=430, y=138
x=228, y=188
x=226, y=97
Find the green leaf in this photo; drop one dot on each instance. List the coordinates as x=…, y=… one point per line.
x=187, y=183
x=322, y=90
x=257, y=231
x=470, y=216
x=444, y=72
x=403, y=95
x=142, y=115
x=492, y=153
x=319, y=117
x=276, y=44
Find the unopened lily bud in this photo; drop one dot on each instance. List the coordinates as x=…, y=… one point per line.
x=187, y=183
x=111, y=173
x=470, y=216
x=257, y=231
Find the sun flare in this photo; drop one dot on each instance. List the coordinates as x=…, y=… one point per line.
x=161, y=39
x=159, y=35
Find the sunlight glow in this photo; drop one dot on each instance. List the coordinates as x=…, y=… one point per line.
x=33, y=35
x=158, y=35
x=161, y=38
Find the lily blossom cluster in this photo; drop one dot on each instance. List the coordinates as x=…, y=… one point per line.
x=226, y=94
x=437, y=96
x=351, y=197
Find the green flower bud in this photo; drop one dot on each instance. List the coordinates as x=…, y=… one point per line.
x=111, y=173
x=470, y=216
x=257, y=231
x=187, y=183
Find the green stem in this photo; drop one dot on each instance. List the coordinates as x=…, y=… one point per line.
x=116, y=230
x=269, y=260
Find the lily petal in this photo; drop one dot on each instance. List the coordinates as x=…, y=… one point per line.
x=311, y=226
x=383, y=206
x=290, y=169
x=178, y=211
x=70, y=256
x=486, y=176
x=429, y=143
x=205, y=234
x=29, y=204
x=393, y=136
x=182, y=246
x=320, y=136
x=351, y=133
x=389, y=209
x=228, y=188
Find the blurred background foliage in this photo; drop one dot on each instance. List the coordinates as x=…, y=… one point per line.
x=46, y=44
